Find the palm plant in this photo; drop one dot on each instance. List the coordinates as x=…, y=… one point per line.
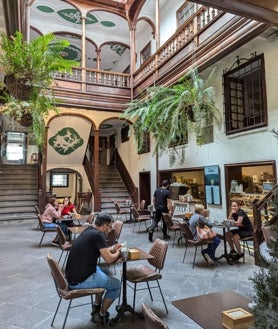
x=29, y=69
x=169, y=113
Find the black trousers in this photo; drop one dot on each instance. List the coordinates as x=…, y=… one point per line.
x=157, y=217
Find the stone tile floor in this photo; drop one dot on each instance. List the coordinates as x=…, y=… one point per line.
x=28, y=297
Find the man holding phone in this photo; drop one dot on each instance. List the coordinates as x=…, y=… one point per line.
x=83, y=271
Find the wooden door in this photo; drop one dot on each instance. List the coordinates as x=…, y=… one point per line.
x=145, y=187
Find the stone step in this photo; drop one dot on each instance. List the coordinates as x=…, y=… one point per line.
x=20, y=209
x=18, y=192
x=26, y=196
x=18, y=216
x=11, y=189
x=112, y=189
x=17, y=203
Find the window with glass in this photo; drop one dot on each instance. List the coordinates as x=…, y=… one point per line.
x=145, y=144
x=245, y=96
x=59, y=180
x=145, y=53
x=185, y=12
x=125, y=134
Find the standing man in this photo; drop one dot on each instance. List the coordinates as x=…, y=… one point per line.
x=82, y=270
x=161, y=199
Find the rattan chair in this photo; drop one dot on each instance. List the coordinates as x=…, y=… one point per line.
x=139, y=218
x=120, y=212
x=64, y=245
x=152, y=321
x=113, y=236
x=65, y=293
x=144, y=274
x=191, y=241
x=172, y=225
x=118, y=225
x=245, y=241
x=38, y=213
x=44, y=229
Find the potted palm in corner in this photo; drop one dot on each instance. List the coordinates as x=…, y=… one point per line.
x=29, y=69
x=169, y=113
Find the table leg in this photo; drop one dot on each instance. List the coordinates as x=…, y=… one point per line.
x=124, y=307
x=225, y=255
x=131, y=219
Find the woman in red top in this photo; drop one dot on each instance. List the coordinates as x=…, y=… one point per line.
x=68, y=207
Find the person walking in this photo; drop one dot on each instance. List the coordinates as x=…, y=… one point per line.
x=161, y=201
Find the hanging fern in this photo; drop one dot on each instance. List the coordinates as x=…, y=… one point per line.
x=169, y=113
x=34, y=65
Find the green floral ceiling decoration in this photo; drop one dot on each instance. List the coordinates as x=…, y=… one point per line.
x=74, y=16
x=73, y=53
x=66, y=141
x=119, y=49
x=46, y=9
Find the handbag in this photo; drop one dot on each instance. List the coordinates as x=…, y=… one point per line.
x=205, y=233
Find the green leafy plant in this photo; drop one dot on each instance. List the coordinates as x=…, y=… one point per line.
x=29, y=69
x=169, y=113
x=265, y=309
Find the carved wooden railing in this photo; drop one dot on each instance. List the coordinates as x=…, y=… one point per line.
x=89, y=172
x=128, y=181
x=185, y=34
x=97, y=77
x=268, y=209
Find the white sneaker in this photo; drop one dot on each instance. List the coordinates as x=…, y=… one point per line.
x=209, y=260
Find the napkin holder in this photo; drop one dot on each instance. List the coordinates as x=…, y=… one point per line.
x=133, y=254
x=237, y=318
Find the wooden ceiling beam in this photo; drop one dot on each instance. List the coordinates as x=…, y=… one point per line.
x=265, y=11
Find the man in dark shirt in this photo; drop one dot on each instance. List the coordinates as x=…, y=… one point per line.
x=160, y=201
x=82, y=270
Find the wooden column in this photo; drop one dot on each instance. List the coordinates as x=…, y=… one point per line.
x=83, y=59
x=97, y=200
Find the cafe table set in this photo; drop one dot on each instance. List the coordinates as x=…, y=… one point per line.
x=128, y=255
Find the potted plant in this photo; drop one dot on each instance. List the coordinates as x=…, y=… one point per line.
x=29, y=68
x=169, y=113
x=265, y=282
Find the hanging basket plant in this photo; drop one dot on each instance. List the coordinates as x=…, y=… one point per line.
x=170, y=113
x=29, y=68
x=18, y=87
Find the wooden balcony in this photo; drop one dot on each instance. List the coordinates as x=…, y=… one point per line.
x=206, y=37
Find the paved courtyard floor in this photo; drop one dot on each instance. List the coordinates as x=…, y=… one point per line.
x=28, y=297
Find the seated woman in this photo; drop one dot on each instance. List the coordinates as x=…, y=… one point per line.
x=68, y=207
x=202, y=214
x=51, y=214
x=244, y=229
x=67, y=210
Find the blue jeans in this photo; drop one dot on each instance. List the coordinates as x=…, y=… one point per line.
x=210, y=250
x=49, y=225
x=101, y=280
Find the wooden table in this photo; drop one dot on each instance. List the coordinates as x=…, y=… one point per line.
x=207, y=309
x=125, y=307
x=225, y=254
x=75, y=230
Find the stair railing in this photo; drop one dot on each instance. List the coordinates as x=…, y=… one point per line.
x=128, y=181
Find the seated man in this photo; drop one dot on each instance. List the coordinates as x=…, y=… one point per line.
x=82, y=270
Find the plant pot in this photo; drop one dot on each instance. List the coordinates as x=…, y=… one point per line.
x=18, y=87
x=26, y=120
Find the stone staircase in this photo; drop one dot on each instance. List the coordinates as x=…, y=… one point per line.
x=112, y=188
x=18, y=191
